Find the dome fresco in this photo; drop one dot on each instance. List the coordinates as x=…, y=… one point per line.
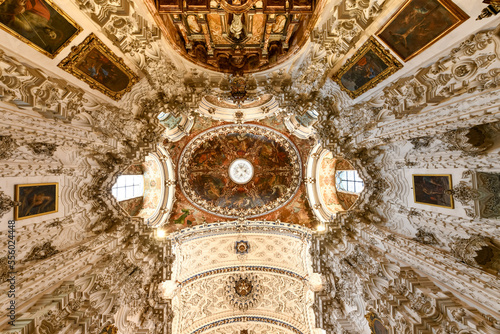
x=270, y=162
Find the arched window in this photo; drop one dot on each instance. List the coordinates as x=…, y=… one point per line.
x=161, y=116
x=349, y=180
x=128, y=186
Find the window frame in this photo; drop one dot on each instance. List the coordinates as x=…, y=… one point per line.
x=351, y=178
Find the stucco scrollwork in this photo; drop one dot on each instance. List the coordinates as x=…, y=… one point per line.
x=6, y=203
x=7, y=146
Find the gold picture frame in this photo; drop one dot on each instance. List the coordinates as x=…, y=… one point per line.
x=433, y=189
x=39, y=23
x=418, y=24
x=36, y=199
x=370, y=65
x=376, y=325
x=94, y=63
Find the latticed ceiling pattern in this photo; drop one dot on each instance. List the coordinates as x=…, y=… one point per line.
x=204, y=255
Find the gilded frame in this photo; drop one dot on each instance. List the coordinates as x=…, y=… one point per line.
x=35, y=46
x=79, y=54
x=448, y=5
x=383, y=54
x=373, y=319
x=450, y=186
x=17, y=199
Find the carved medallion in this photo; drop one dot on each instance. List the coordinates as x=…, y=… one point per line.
x=243, y=287
x=240, y=170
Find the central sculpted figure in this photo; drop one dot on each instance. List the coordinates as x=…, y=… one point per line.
x=236, y=28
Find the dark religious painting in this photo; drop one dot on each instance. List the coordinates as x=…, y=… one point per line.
x=38, y=23
x=433, y=190
x=379, y=328
x=363, y=71
x=418, y=24
x=94, y=63
x=35, y=200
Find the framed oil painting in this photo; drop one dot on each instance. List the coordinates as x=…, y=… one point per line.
x=376, y=325
x=419, y=24
x=94, y=63
x=431, y=189
x=38, y=23
x=36, y=200
x=365, y=69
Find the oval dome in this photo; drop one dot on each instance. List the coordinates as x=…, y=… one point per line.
x=270, y=168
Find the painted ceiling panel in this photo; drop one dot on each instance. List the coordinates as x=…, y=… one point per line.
x=207, y=179
x=280, y=251
x=229, y=275
x=215, y=24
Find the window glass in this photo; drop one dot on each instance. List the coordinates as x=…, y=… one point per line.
x=128, y=186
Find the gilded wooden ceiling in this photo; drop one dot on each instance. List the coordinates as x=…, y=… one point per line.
x=237, y=36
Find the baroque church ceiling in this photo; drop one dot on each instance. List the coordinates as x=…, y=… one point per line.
x=319, y=167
